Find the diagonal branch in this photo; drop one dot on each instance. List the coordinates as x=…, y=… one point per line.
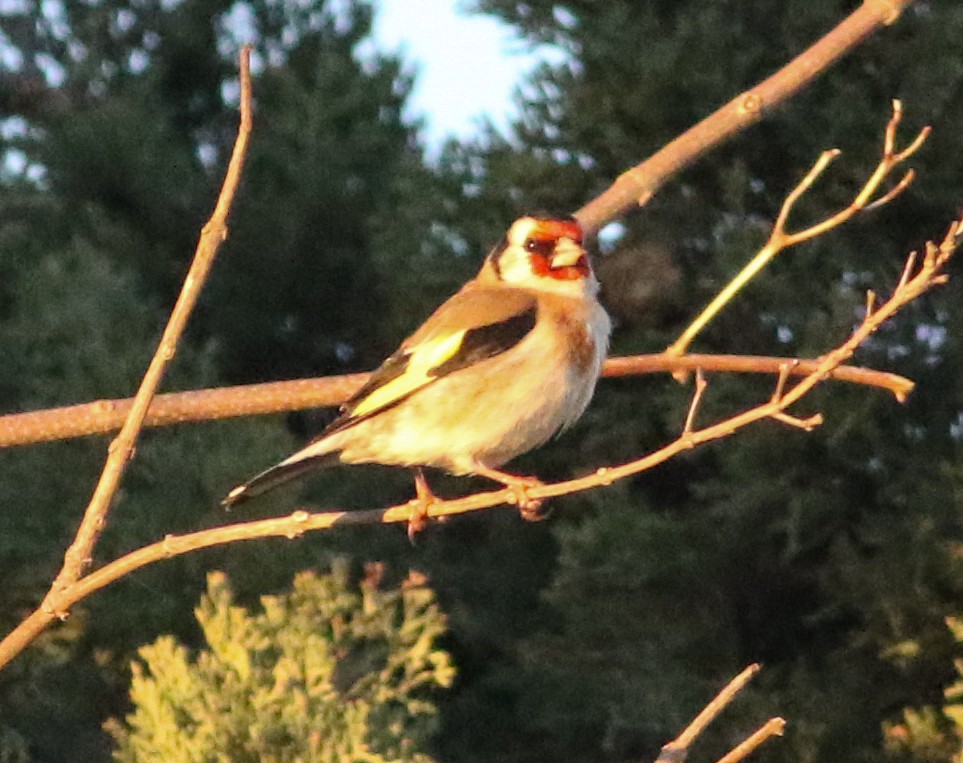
x=636, y=186
x=678, y=749
x=780, y=239
x=79, y=555
x=774, y=727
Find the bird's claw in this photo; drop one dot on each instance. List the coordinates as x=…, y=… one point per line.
x=418, y=515
x=529, y=508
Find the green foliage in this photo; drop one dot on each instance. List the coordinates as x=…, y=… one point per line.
x=328, y=172
x=830, y=556
x=633, y=663
x=125, y=132
x=933, y=734
x=13, y=748
x=327, y=672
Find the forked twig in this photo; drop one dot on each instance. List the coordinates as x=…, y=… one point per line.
x=780, y=239
x=72, y=585
x=631, y=188
x=638, y=184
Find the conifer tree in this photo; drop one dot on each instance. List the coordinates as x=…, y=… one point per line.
x=327, y=672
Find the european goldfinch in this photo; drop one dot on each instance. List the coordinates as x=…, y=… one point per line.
x=504, y=364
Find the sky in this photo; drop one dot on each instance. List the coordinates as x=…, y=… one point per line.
x=467, y=65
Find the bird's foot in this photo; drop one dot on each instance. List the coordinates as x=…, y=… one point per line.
x=418, y=518
x=529, y=508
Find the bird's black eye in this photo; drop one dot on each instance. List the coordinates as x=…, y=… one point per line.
x=542, y=246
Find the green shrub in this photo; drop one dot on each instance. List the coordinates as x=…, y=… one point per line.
x=328, y=672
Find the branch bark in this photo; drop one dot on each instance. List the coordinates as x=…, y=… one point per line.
x=780, y=239
x=105, y=416
x=79, y=555
x=636, y=186
x=678, y=749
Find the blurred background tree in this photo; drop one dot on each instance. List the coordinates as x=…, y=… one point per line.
x=831, y=556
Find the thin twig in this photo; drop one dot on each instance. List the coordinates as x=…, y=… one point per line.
x=121, y=450
x=700, y=388
x=774, y=727
x=639, y=184
x=781, y=240
x=677, y=750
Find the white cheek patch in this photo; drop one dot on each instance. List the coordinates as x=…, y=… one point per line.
x=515, y=266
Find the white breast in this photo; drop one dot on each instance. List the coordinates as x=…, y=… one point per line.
x=498, y=408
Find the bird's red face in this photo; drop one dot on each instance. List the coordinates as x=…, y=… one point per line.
x=544, y=253
x=555, y=248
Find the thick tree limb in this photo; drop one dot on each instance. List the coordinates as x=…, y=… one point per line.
x=636, y=186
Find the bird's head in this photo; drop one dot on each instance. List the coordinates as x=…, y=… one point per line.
x=544, y=254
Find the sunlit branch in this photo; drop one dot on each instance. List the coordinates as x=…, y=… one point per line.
x=105, y=416
x=80, y=553
x=780, y=239
x=638, y=184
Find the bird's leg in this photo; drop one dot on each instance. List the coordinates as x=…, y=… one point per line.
x=528, y=507
x=418, y=519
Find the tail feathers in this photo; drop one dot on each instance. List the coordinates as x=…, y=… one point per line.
x=278, y=475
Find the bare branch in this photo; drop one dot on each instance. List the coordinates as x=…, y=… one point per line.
x=639, y=184
x=784, y=372
x=121, y=450
x=677, y=750
x=105, y=416
x=774, y=727
x=779, y=227
x=927, y=275
x=780, y=239
x=700, y=389
x=807, y=424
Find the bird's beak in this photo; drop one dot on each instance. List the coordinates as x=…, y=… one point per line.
x=567, y=253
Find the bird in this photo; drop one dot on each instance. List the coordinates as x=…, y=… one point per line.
x=508, y=361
